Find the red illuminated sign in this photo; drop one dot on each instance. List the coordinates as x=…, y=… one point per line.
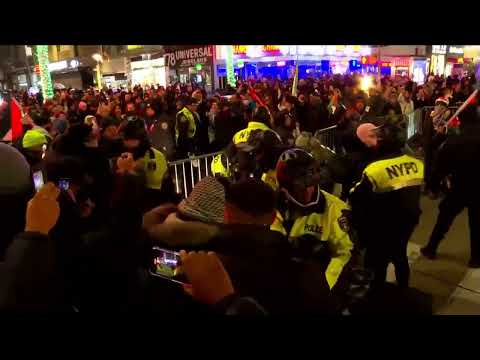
x=271, y=48
x=385, y=64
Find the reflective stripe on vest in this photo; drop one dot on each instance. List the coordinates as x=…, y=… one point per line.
x=242, y=135
x=192, y=127
x=155, y=168
x=394, y=174
x=270, y=178
x=331, y=226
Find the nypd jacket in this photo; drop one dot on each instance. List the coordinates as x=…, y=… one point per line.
x=388, y=193
x=327, y=223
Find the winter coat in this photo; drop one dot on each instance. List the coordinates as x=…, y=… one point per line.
x=258, y=261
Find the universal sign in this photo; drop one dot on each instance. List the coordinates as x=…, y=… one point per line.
x=188, y=57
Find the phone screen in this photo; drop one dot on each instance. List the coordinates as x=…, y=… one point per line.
x=165, y=264
x=64, y=184
x=38, y=180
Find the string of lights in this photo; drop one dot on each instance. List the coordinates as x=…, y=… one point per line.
x=45, y=78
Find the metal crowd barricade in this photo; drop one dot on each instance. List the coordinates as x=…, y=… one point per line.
x=187, y=172
x=326, y=137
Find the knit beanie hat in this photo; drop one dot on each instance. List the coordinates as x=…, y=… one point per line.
x=34, y=139
x=206, y=202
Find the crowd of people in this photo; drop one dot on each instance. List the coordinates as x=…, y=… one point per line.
x=265, y=234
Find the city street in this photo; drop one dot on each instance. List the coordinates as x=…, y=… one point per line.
x=455, y=287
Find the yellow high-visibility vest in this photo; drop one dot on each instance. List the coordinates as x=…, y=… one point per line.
x=155, y=166
x=331, y=226
x=394, y=174
x=217, y=167
x=192, y=127
x=243, y=135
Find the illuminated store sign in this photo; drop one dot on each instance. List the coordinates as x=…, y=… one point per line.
x=439, y=49
x=64, y=64
x=189, y=57
x=455, y=50
x=256, y=51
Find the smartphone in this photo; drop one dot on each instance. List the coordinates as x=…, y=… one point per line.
x=165, y=264
x=64, y=184
x=38, y=180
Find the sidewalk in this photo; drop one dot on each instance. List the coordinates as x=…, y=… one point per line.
x=455, y=287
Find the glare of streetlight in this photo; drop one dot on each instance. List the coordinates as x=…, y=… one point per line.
x=366, y=83
x=97, y=57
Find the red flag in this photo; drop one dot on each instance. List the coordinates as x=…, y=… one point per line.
x=255, y=96
x=16, y=119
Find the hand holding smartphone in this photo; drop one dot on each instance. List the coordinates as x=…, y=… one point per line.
x=38, y=180
x=166, y=264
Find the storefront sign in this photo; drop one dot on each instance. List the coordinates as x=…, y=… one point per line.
x=455, y=50
x=439, y=49
x=189, y=57
x=63, y=65
x=144, y=64
x=257, y=51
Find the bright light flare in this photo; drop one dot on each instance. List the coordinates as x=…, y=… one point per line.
x=366, y=83
x=97, y=57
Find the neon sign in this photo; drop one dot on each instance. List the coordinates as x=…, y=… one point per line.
x=254, y=51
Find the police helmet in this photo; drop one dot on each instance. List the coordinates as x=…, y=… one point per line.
x=297, y=172
x=297, y=167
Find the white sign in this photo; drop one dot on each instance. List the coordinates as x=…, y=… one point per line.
x=439, y=49
x=455, y=50
x=59, y=65
x=143, y=64
x=64, y=64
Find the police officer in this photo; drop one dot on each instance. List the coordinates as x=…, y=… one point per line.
x=239, y=151
x=315, y=222
x=186, y=123
x=151, y=163
x=457, y=159
x=386, y=203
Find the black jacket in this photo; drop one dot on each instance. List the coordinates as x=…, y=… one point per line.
x=259, y=262
x=376, y=214
x=28, y=276
x=458, y=157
